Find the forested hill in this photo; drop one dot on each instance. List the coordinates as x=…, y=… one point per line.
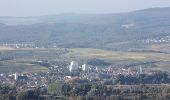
x=122, y=31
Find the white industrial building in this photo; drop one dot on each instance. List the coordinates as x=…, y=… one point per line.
x=84, y=67
x=73, y=66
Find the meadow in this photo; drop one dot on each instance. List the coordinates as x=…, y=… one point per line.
x=24, y=57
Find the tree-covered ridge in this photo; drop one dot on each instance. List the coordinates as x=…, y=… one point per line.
x=109, y=31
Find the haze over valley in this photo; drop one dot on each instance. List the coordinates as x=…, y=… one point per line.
x=146, y=29
x=79, y=56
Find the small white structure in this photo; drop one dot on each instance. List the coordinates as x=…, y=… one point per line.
x=127, y=26
x=128, y=71
x=84, y=67
x=73, y=66
x=141, y=71
x=15, y=76
x=67, y=77
x=97, y=69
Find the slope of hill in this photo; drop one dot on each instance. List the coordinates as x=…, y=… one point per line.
x=126, y=31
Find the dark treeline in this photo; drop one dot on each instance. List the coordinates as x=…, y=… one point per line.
x=97, y=91
x=123, y=88
x=157, y=78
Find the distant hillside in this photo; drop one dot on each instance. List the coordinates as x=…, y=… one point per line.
x=124, y=31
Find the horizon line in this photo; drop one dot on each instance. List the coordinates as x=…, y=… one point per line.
x=97, y=13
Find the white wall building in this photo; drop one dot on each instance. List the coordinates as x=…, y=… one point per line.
x=15, y=76
x=84, y=67
x=73, y=66
x=141, y=70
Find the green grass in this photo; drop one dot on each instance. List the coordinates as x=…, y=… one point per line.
x=116, y=55
x=121, y=58
x=20, y=67
x=23, y=57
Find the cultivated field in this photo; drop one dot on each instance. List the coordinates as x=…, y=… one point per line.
x=162, y=60
x=115, y=55
x=23, y=57
x=5, y=48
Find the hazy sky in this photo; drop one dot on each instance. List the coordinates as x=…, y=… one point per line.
x=45, y=7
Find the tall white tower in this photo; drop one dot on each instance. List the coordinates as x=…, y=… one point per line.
x=73, y=66
x=84, y=67
x=141, y=70
x=128, y=71
x=15, y=76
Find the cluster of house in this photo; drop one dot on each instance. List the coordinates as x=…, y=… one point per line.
x=19, y=45
x=107, y=72
x=26, y=80
x=160, y=40
x=69, y=72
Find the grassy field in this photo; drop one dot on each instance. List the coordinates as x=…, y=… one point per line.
x=20, y=67
x=115, y=57
x=21, y=55
x=162, y=60
x=5, y=48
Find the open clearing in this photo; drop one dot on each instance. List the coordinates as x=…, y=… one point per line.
x=20, y=67
x=24, y=56
x=116, y=55
x=5, y=48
